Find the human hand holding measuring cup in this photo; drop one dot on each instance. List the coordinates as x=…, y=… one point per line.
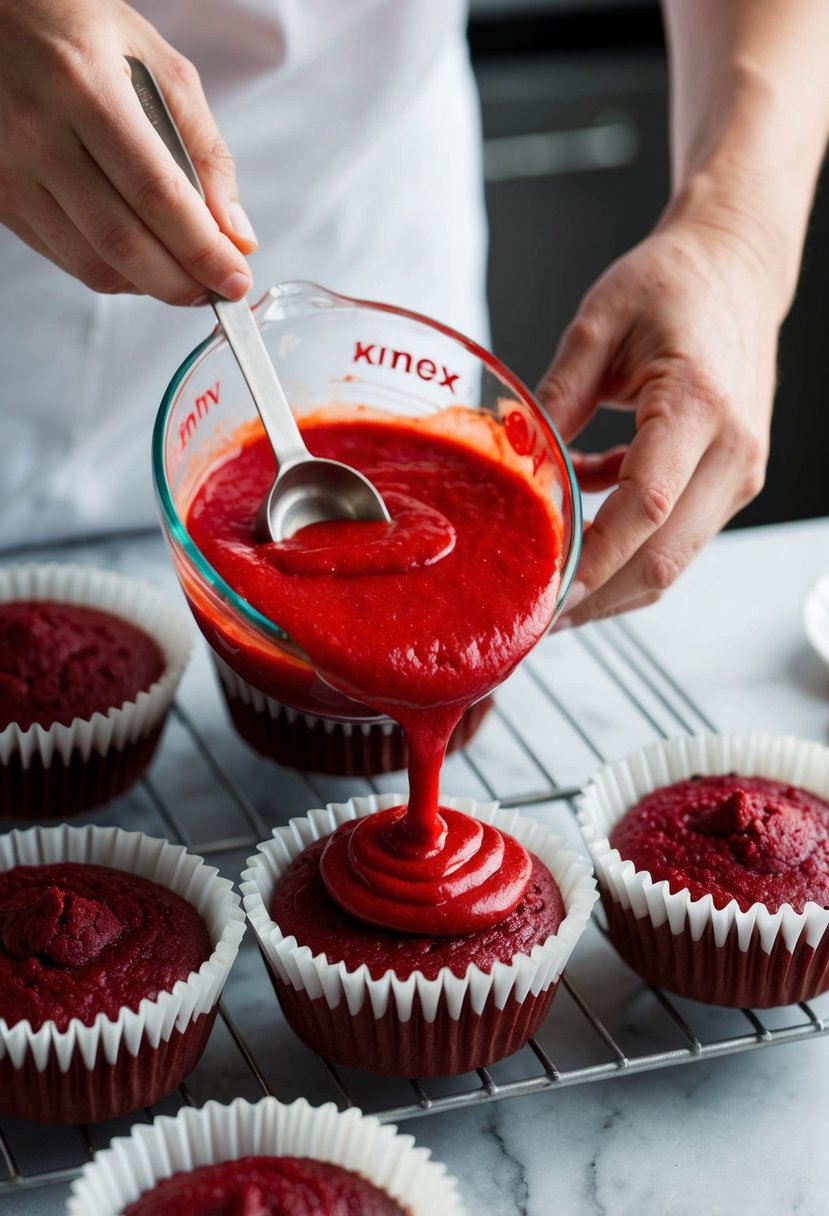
x=83, y=178
x=694, y=360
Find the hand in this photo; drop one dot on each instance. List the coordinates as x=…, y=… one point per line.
x=682, y=330
x=85, y=179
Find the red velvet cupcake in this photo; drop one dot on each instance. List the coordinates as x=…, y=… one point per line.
x=89, y=662
x=300, y=1185
x=114, y=948
x=712, y=855
x=264, y=1157
x=407, y=1004
x=325, y=745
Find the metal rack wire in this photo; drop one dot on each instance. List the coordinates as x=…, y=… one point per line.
x=577, y=701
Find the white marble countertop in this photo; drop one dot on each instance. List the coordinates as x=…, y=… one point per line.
x=738, y=1134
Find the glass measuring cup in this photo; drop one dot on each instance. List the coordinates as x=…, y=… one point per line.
x=330, y=349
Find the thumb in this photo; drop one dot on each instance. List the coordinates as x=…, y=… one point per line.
x=209, y=153
x=571, y=387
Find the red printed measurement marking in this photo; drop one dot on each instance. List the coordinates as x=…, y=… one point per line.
x=525, y=439
x=384, y=356
x=201, y=406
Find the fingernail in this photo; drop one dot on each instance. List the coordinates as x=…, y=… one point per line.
x=199, y=300
x=563, y=622
x=241, y=225
x=575, y=595
x=235, y=286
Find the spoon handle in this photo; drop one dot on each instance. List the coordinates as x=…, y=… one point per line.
x=245, y=340
x=234, y=316
x=155, y=107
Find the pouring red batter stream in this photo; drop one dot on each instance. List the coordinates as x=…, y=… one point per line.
x=418, y=619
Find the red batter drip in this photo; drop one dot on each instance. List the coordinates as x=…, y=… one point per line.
x=470, y=872
x=417, y=619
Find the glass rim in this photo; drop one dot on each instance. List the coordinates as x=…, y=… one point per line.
x=202, y=567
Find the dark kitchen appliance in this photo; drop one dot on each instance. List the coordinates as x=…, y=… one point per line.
x=574, y=100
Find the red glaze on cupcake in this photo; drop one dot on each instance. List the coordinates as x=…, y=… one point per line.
x=60, y=661
x=266, y=1186
x=743, y=838
x=77, y=940
x=302, y=907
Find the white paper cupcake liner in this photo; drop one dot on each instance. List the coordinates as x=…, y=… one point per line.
x=133, y=601
x=135, y=1164
x=235, y=686
x=155, y=1020
x=619, y=786
x=527, y=973
x=313, y=743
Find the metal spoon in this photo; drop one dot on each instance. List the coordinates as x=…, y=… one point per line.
x=308, y=489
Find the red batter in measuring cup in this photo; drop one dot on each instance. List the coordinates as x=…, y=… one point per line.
x=416, y=620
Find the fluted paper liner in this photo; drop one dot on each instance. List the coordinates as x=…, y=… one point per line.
x=325, y=745
x=133, y=601
x=620, y=785
x=236, y=687
x=155, y=1020
x=527, y=973
x=135, y=1164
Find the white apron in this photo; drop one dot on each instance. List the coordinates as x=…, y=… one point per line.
x=355, y=129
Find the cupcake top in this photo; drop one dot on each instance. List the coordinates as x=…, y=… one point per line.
x=266, y=1186
x=77, y=940
x=302, y=907
x=61, y=661
x=732, y=837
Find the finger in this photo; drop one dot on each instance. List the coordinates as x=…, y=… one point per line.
x=57, y=238
x=598, y=470
x=701, y=512
x=660, y=462
x=115, y=233
x=208, y=151
x=32, y=239
x=572, y=385
x=571, y=621
x=131, y=155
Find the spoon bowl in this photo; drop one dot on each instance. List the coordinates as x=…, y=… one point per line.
x=313, y=491
x=307, y=488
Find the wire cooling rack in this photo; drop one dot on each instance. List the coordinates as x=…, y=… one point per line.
x=578, y=700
